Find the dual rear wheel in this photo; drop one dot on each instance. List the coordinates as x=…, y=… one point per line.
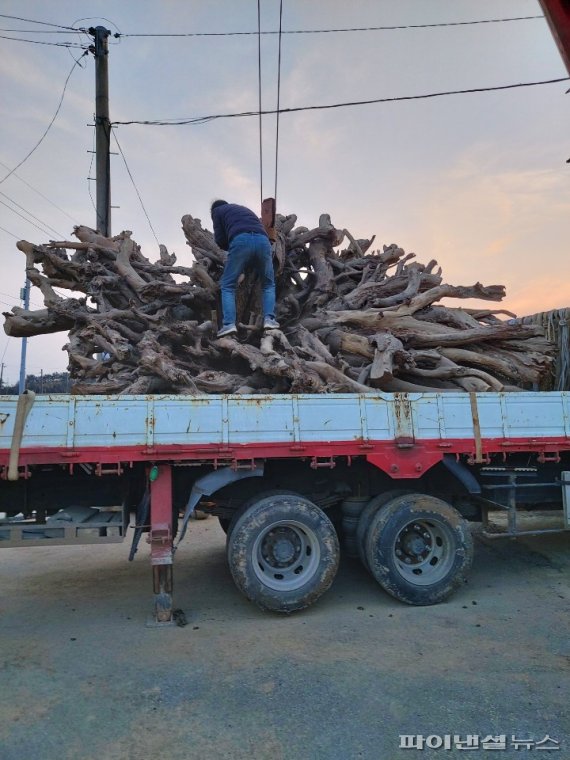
x=417, y=547
x=283, y=551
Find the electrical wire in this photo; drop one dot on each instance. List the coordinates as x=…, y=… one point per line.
x=15, y=298
x=13, y=210
x=99, y=221
x=278, y=99
x=35, y=21
x=19, y=300
x=206, y=119
x=259, y=99
x=329, y=31
x=136, y=188
x=17, y=176
x=37, y=31
x=5, y=349
x=29, y=213
x=76, y=63
x=117, y=35
x=9, y=233
x=42, y=42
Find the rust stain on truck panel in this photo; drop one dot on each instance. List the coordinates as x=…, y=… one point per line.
x=403, y=414
x=252, y=400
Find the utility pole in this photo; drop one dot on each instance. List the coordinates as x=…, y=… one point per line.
x=25, y=296
x=102, y=128
x=2, y=376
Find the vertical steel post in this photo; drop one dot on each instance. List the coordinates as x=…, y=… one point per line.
x=102, y=129
x=161, y=538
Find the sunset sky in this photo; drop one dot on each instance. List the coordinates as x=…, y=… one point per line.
x=478, y=182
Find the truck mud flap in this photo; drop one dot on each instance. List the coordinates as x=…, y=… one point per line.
x=211, y=483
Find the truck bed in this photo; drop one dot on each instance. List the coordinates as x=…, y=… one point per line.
x=402, y=433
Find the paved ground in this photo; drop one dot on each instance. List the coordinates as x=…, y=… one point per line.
x=82, y=678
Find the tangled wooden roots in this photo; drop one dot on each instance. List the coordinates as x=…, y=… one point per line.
x=352, y=320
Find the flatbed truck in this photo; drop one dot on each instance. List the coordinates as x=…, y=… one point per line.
x=397, y=480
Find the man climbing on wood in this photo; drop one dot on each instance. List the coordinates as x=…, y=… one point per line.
x=238, y=231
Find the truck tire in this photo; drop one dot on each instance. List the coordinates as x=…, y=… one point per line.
x=248, y=503
x=366, y=518
x=419, y=549
x=283, y=553
x=353, y=506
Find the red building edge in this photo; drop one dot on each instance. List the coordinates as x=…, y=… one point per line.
x=557, y=13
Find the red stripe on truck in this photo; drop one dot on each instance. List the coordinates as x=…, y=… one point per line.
x=399, y=459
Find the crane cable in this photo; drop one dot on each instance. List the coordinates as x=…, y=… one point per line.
x=259, y=98
x=278, y=99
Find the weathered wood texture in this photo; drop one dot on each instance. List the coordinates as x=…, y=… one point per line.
x=351, y=319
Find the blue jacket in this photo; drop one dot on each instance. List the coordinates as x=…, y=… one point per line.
x=231, y=220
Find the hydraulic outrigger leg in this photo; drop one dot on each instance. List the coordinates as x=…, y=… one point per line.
x=160, y=538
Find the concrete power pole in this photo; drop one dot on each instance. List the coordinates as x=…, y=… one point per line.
x=102, y=128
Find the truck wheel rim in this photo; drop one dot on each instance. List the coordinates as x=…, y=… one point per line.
x=286, y=555
x=424, y=551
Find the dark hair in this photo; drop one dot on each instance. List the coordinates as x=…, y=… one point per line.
x=217, y=203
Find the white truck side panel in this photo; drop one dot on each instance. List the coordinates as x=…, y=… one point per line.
x=97, y=421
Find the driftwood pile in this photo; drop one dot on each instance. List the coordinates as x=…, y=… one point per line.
x=351, y=319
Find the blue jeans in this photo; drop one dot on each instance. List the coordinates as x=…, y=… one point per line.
x=250, y=249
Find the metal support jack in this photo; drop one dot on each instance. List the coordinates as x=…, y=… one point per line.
x=160, y=539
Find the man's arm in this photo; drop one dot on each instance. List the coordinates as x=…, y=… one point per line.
x=220, y=231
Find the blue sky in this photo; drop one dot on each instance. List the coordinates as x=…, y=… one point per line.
x=478, y=182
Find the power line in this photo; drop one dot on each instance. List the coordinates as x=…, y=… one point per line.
x=329, y=31
x=13, y=210
x=5, y=349
x=35, y=21
x=76, y=63
x=29, y=213
x=5, y=303
x=136, y=188
x=15, y=298
x=17, y=176
x=39, y=31
x=42, y=42
x=89, y=177
x=18, y=300
x=278, y=98
x=259, y=99
x=9, y=233
x=205, y=119
x=85, y=31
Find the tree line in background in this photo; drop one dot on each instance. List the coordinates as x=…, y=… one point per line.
x=56, y=382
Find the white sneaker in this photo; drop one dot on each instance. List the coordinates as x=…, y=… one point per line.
x=227, y=330
x=269, y=323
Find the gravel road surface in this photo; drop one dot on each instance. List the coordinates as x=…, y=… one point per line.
x=83, y=678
